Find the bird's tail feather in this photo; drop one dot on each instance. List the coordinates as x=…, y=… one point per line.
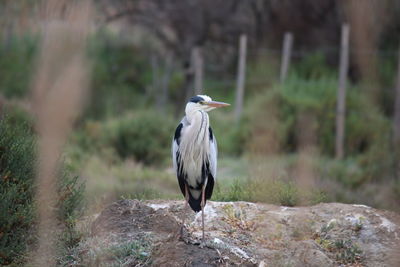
x=194, y=203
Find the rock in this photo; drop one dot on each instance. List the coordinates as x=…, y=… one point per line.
x=248, y=234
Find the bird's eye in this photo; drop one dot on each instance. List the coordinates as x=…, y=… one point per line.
x=201, y=102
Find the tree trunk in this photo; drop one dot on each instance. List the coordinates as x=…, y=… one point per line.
x=286, y=54
x=197, y=65
x=241, y=76
x=341, y=96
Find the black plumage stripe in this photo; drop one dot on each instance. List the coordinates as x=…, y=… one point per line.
x=177, y=135
x=194, y=203
x=210, y=131
x=196, y=99
x=209, y=186
x=180, y=174
x=210, y=183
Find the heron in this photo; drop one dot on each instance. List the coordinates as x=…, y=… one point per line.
x=194, y=153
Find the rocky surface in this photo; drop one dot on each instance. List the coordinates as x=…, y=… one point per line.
x=248, y=234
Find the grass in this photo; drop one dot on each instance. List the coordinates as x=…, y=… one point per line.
x=113, y=250
x=345, y=251
x=118, y=253
x=132, y=252
x=268, y=179
x=246, y=169
x=127, y=179
x=256, y=179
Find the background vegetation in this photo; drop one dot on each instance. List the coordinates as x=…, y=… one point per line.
x=130, y=128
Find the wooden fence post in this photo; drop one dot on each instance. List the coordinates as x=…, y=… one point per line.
x=341, y=94
x=197, y=65
x=241, y=75
x=286, y=54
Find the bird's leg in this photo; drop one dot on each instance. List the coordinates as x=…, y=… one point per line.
x=186, y=207
x=203, y=202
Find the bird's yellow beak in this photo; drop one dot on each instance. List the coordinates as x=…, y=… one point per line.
x=216, y=104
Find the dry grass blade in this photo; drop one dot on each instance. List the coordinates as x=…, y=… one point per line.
x=307, y=150
x=58, y=91
x=367, y=20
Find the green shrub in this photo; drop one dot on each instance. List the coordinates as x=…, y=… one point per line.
x=275, y=126
x=278, y=192
x=121, y=72
x=17, y=172
x=237, y=191
x=231, y=136
x=288, y=194
x=147, y=137
x=277, y=111
x=16, y=63
x=313, y=66
x=16, y=190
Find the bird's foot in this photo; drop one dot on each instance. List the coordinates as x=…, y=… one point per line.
x=203, y=243
x=181, y=233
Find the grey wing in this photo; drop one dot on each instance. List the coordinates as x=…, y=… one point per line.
x=176, y=157
x=176, y=141
x=174, y=154
x=213, y=154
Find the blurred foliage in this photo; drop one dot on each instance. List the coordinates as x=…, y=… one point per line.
x=313, y=66
x=317, y=100
x=17, y=56
x=238, y=190
x=120, y=76
x=274, y=191
x=230, y=135
x=144, y=136
x=277, y=130
x=122, y=83
x=16, y=190
x=108, y=181
x=121, y=73
x=17, y=172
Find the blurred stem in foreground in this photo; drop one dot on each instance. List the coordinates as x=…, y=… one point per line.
x=58, y=90
x=307, y=149
x=396, y=122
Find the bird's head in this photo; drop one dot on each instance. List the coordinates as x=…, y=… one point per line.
x=203, y=102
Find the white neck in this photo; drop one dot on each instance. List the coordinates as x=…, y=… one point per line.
x=194, y=146
x=199, y=123
x=190, y=111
